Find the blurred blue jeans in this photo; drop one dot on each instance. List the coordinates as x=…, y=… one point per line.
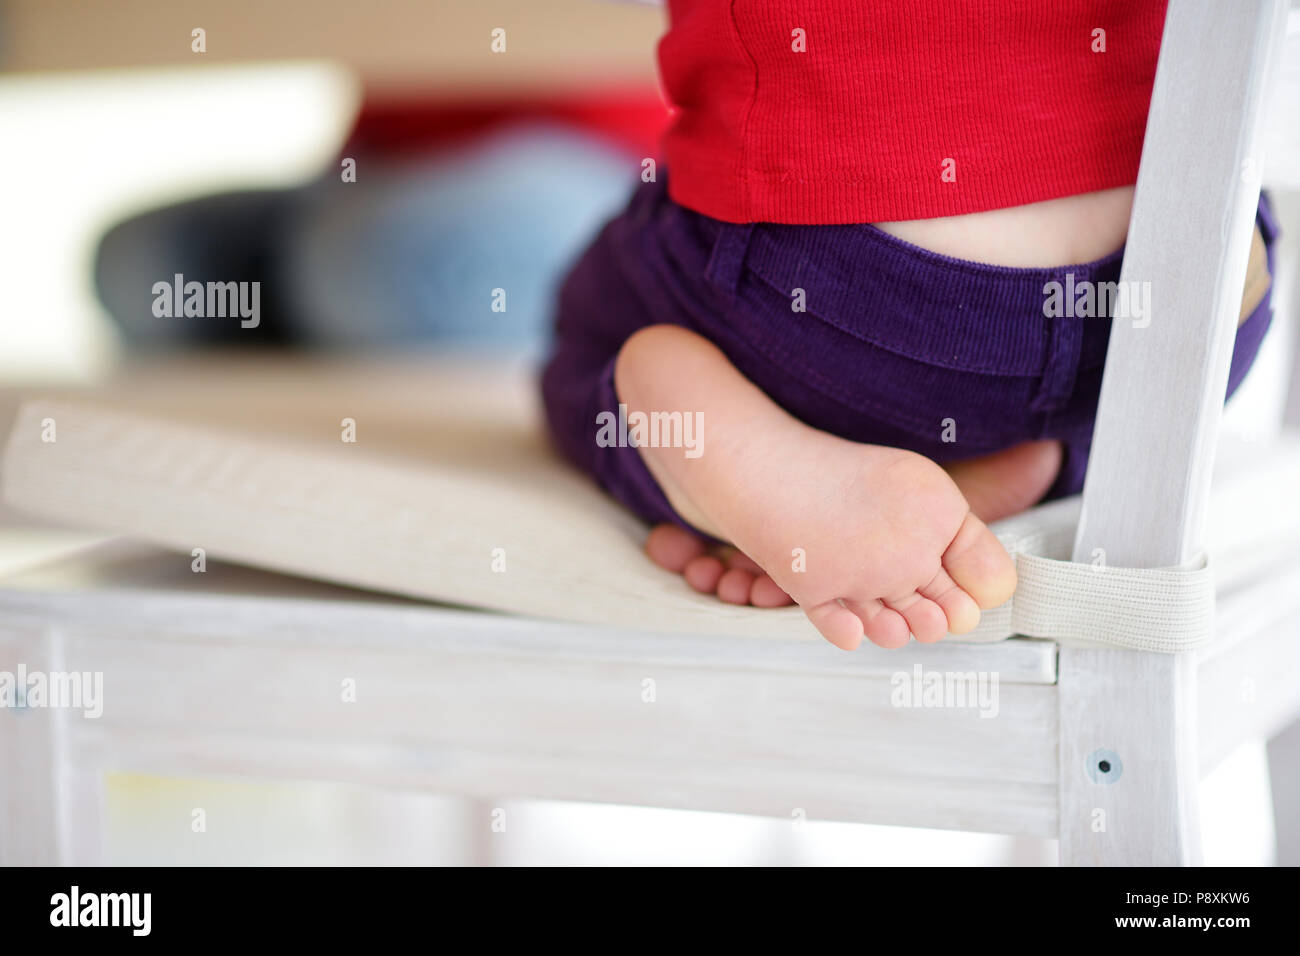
x=409, y=253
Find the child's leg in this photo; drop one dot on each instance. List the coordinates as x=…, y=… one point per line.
x=867, y=539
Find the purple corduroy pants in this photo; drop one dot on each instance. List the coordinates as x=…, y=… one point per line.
x=895, y=345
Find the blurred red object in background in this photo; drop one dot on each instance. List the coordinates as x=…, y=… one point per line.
x=632, y=120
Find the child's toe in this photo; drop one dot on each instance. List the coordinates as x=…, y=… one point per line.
x=980, y=565
x=672, y=548
x=924, y=617
x=882, y=625
x=767, y=593
x=734, y=586
x=960, y=609
x=735, y=558
x=837, y=624
x=703, y=573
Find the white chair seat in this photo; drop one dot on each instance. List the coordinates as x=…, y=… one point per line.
x=421, y=503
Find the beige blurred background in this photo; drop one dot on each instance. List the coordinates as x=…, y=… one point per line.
x=393, y=45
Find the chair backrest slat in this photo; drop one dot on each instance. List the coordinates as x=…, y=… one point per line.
x=1166, y=373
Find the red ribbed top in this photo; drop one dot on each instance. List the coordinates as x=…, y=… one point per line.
x=1010, y=98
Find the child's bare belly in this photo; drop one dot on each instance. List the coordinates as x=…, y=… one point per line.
x=1074, y=229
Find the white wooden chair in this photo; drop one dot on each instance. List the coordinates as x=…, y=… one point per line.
x=238, y=672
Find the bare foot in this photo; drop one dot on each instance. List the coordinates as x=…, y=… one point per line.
x=995, y=486
x=868, y=540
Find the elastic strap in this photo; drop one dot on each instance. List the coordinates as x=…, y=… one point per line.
x=1147, y=609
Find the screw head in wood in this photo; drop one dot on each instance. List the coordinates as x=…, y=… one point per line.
x=1104, y=766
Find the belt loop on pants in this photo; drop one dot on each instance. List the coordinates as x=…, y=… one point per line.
x=728, y=258
x=1065, y=339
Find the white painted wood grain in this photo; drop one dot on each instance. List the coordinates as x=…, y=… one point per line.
x=308, y=619
x=747, y=742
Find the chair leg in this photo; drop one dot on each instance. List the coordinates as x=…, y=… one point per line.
x=29, y=831
x=484, y=824
x=1127, y=759
x=83, y=827
x=38, y=788
x=1237, y=826
x=1284, y=772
